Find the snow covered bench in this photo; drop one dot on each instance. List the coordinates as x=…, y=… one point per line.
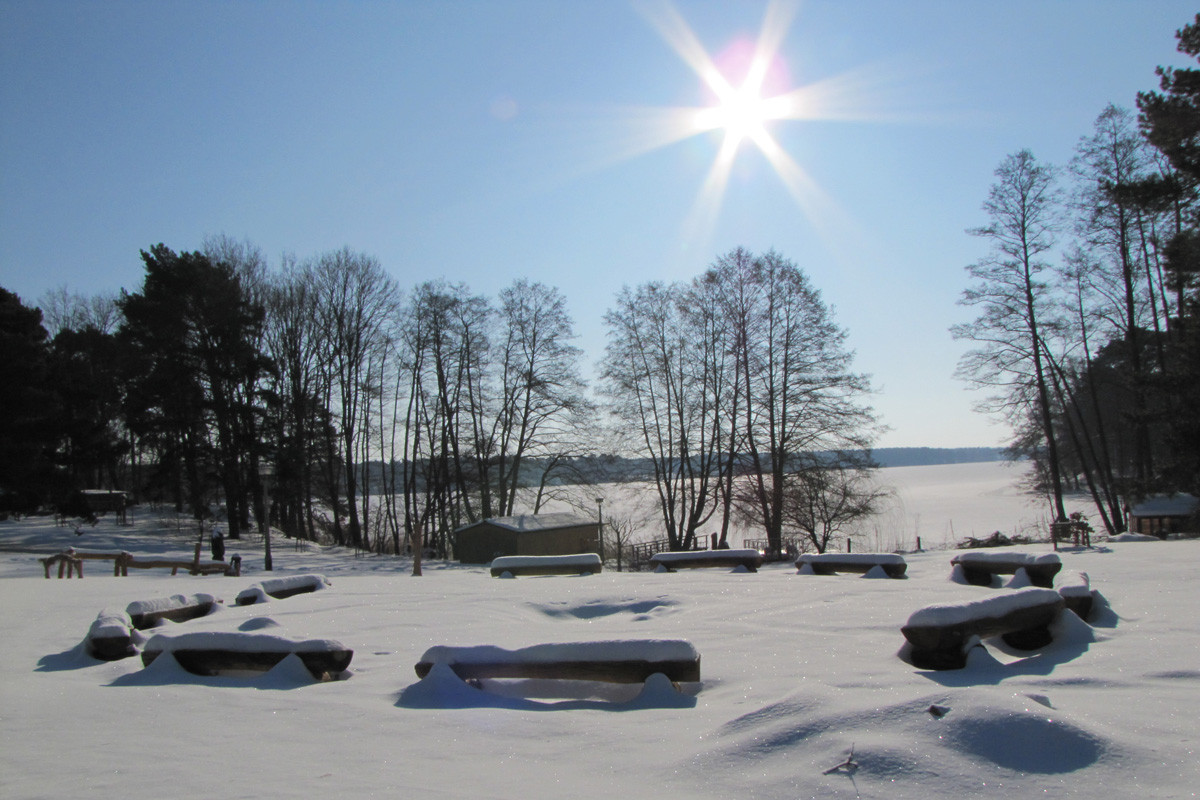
x=620, y=661
x=751, y=560
x=176, y=608
x=281, y=588
x=1076, y=592
x=109, y=638
x=220, y=653
x=891, y=564
x=940, y=635
x=978, y=567
x=578, y=564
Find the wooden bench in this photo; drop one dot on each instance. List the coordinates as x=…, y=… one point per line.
x=751, y=560
x=281, y=588
x=236, y=654
x=979, y=567
x=621, y=661
x=940, y=635
x=1076, y=591
x=893, y=565
x=578, y=564
x=145, y=614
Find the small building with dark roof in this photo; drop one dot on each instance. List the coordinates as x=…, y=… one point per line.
x=1163, y=514
x=556, y=534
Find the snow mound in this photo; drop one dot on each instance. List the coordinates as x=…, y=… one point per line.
x=1024, y=741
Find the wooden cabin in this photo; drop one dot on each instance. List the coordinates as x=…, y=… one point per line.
x=1160, y=515
x=557, y=534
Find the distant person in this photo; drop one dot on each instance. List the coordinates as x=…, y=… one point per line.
x=218, y=544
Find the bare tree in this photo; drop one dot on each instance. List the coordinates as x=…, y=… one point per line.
x=828, y=495
x=799, y=394
x=540, y=391
x=651, y=379
x=63, y=309
x=358, y=305
x=1009, y=357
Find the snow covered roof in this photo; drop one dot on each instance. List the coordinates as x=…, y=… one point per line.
x=536, y=522
x=1175, y=505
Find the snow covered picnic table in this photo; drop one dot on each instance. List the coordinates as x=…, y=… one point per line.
x=979, y=567
x=176, y=608
x=239, y=653
x=577, y=564
x=613, y=661
x=1076, y=591
x=281, y=588
x=890, y=564
x=941, y=634
x=750, y=560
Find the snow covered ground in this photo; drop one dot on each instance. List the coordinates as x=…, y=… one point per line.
x=802, y=693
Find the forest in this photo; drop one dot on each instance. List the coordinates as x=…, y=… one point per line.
x=227, y=388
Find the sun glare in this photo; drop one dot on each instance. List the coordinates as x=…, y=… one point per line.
x=750, y=87
x=741, y=114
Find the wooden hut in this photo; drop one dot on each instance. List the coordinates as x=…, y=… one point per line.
x=1163, y=514
x=102, y=501
x=556, y=534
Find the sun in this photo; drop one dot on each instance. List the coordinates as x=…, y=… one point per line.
x=749, y=87
x=741, y=113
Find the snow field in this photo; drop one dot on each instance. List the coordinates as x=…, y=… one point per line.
x=797, y=672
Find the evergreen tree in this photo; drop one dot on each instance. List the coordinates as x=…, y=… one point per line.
x=28, y=428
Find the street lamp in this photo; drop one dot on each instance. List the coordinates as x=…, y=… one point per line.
x=600, y=525
x=265, y=471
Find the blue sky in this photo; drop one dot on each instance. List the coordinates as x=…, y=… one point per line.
x=485, y=141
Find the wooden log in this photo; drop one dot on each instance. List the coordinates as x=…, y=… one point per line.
x=632, y=671
x=893, y=565
x=109, y=637
x=751, y=560
x=623, y=661
x=1076, y=592
x=580, y=564
x=320, y=664
x=215, y=653
x=978, y=568
x=148, y=613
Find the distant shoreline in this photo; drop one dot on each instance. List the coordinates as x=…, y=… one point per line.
x=931, y=456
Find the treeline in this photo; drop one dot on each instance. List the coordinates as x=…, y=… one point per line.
x=221, y=382
x=222, y=386
x=1088, y=334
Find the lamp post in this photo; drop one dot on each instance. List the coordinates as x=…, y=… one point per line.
x=600, y=525
x=265, y=471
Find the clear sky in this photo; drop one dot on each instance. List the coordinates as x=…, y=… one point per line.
x=485, y=141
